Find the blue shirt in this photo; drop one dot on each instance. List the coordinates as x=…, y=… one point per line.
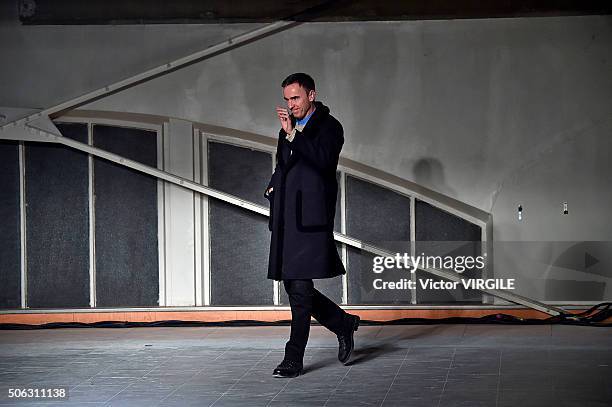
x=302, y=122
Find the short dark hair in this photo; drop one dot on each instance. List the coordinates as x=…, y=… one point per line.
x=302, y=79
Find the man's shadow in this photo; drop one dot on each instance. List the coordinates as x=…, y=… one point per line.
x=372, y=352
x=429, y=172
x=387, y=345
x=376, y=350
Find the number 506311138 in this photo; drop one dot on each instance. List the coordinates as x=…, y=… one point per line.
x=38, y=393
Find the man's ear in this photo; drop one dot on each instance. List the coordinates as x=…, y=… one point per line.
x=311, y=95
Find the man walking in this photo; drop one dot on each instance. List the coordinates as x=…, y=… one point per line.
x=302, y=195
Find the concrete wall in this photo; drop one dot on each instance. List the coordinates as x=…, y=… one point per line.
x=492, y=112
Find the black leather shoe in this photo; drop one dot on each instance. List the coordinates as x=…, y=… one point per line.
x=288, y=368
x=346, y=342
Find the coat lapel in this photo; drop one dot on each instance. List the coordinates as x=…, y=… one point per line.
x=308, y=131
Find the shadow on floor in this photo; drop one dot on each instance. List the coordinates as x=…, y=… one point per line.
x=372, y=352
x=388, y=344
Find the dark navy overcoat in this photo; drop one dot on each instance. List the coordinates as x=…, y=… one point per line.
x=303, y=201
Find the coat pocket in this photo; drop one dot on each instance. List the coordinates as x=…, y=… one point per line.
x=311, y=211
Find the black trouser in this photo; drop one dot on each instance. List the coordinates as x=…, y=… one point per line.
x=305, y=302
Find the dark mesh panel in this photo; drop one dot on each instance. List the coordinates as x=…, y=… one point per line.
x=439, y=233
x=382, y=217
x=57, y=222
x=10, y=226
x=239, y=239
x=127, y=262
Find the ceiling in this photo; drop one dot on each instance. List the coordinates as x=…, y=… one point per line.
x=91, y=12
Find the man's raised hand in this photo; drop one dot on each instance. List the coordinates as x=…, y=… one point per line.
x=285, y=120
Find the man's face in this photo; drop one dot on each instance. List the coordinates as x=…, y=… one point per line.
x=298, y=101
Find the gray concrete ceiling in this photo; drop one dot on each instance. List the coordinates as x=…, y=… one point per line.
x=69, y=12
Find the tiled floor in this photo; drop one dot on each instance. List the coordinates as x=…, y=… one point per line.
x=427, y=365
